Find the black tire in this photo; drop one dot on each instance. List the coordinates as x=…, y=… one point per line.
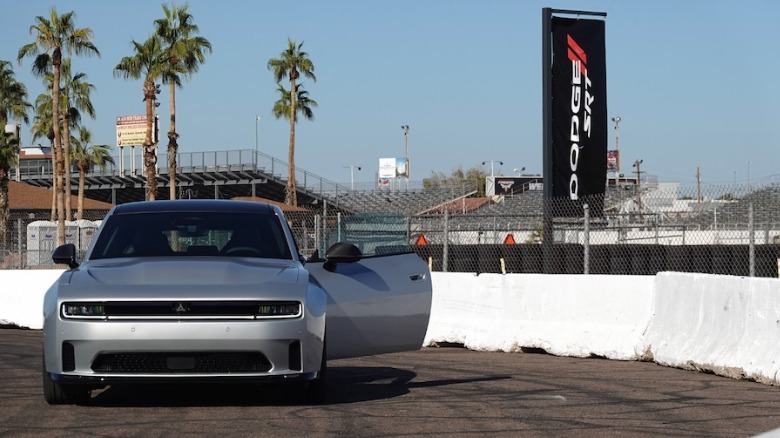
x=314, y=392
x=63, y=394
x=317, y=392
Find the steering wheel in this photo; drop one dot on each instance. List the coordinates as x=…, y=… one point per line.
x=242, y=251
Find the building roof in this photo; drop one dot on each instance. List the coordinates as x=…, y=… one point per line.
x=23, y=196
x=285, y=208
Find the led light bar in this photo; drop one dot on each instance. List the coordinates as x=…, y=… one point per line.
x=290, y=309
x=83, y=310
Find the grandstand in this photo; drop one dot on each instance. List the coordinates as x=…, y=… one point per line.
x=410, y=203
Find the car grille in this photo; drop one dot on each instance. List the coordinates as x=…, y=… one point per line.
x=165, y=309
x=182, y=310
x=181, y=363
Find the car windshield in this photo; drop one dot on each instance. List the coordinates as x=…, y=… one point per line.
x=186, y=234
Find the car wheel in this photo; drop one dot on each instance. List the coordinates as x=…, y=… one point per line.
x=62, y=394
x=318, y=391
x=315, y=391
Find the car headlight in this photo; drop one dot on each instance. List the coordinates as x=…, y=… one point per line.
x=279, y=310
x=84, y=310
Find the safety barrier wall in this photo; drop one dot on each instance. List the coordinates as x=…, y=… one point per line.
x=726, y=325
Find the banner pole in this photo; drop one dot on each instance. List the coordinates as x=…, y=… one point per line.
x=547, y=167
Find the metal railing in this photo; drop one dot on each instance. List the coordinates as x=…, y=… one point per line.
x=733, y=230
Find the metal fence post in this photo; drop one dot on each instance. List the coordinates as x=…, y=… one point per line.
x=317, y=231
x=752, y=240
x=19, y=224
x=338, y=226
x=586, y=241
x=305, y=236
x=446, y=243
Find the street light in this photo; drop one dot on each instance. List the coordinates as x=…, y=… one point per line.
x=352, y=168
x=519, y=171
x=405, y=128
x=617, y=120
x=638, y=185
x=257, y=122
x=492, y=171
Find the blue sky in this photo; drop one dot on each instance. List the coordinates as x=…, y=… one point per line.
x=694, y=82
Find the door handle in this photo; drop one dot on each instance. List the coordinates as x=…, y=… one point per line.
x=417, y=277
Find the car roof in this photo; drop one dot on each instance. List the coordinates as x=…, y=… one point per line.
x=197, y=205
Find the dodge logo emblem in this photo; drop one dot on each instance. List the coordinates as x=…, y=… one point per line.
x=181, y=307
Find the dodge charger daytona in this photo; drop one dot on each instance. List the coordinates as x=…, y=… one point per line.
x=198, y=291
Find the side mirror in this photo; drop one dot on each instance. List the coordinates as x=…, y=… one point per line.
x=341, y=252
x=65, y=255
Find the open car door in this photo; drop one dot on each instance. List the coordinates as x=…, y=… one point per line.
x=376, y=304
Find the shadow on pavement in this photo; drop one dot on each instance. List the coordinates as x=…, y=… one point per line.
x=345, y=385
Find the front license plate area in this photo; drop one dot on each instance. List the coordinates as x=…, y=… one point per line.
x=180, y=362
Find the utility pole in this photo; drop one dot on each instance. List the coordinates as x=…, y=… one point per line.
x=638, y=186
x=405, y=128
x=617, y=148
x=698, y=185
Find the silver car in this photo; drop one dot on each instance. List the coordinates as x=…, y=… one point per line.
x=216, y=290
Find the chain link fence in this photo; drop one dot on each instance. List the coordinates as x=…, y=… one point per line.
x=732, y=230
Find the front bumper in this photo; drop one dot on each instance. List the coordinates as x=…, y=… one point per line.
x=288, y=349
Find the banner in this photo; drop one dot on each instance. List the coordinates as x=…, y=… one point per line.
x=131, y=130
x=401, y=167
x=613, y=158
x=511, y=185
x=579, y=115
x=387, y=168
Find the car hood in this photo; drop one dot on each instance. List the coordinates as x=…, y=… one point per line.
x=193, y=278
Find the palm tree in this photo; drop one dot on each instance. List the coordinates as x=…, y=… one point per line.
x=42, y=127
x=291, y=63
x=13, y=103
x=303, y=106
x=76, y=93
x=52, y=36
x=86, y=157
x=186, y=52
x=149, y=63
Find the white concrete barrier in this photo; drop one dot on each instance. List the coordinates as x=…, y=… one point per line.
x=568, y=315
x=721, y=324
x=21, y=296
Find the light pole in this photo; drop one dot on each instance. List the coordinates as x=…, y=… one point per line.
x=617, y=147
x=405, y=128
x=638, y=185
x=519, y=171
x=492, y=170
x=257, y=143
x=352, y=168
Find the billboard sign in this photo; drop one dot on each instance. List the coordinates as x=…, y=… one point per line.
x=401, y=167
x=613, y=158
x=387, y=168
x=511, y=185
x=579, y=113
x=130, y=130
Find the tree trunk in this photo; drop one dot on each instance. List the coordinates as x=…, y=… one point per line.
x=5, y=168
x=291, y=191
x=173, y=146
x=66, y=175
x=59, y=168
x=80, y=211
x=150, y=150
x=4, y=207
x=54, y=183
